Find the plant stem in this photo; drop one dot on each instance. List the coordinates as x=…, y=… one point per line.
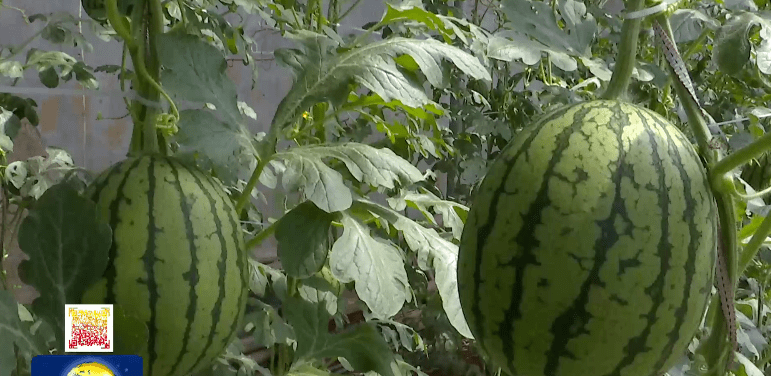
x=3, y=227
x=118, y=23
x=627, y=53
x=716, y=348
x=261, y=236
x=742, y=156
x=146, y=23
x=352, y=7
x=264, y=158
x=752, y=247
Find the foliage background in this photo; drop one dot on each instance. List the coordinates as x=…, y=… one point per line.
x=482, y=118
x=70, y=121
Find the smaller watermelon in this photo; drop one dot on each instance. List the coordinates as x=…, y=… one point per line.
x=178, y=264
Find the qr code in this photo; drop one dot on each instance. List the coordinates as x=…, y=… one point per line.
x=88, y=327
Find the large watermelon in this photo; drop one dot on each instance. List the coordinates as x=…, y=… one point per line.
x=590, y=245
x=178, y=262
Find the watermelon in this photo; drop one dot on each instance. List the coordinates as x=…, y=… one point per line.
x=177, y=261
x=590, y=245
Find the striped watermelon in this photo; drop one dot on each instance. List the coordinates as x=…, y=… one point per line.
x=590, y=246
x=178, y=261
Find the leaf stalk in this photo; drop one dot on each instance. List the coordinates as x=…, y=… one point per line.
x=627, y=53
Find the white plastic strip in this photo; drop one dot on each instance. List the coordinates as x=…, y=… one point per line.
x=660, y=7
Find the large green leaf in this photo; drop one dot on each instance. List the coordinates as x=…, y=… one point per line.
x=533, y=28
x=67, y=244
x=514, y=46
x=317, y=289
x=302, y=256
x=14, y=332
x=688, y=24
x=363, y=347
x=306, y=170
x=224, y=146
x=412, y=10
x=433, y=252
x=453, y=213
x=732, y=47
x=324, y=76
x=763, y=51
x=375, y=265
x=196, y=71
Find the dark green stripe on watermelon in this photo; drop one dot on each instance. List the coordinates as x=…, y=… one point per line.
x=150, y=259
x=98, y=186
x=222, y=267
x=483, y=231
x=589, y=246
x=178, y=264
x=191, y=276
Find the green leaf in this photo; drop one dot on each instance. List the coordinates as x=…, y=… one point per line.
x=580, y=26
x=399, y=335
x=13, y=331
x=433, y=252
x=450, y=211
x=537, y=20
x=306, y=369
x=414, y=11
x=316, y=289
x=22, y=108
x=11, y=69
x=763, y=51
x=49, y=77
x=321, y=76
x=515, y=47
x=749, y=338
x=598, y=68
x=8, y=123
x=749, y=368
x=688, y=24
x=226, y=147
x=261, y=275
x=46, y=59
x=741, y=5
x=310, y=323
x=67, y=243
x=302, y=256
x=731, y=51
x=306, y=170
x=363, y=347
x=269, y=328
x=375, y=265
x=196, y=71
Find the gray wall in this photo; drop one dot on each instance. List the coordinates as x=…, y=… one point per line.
x=70, y=121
